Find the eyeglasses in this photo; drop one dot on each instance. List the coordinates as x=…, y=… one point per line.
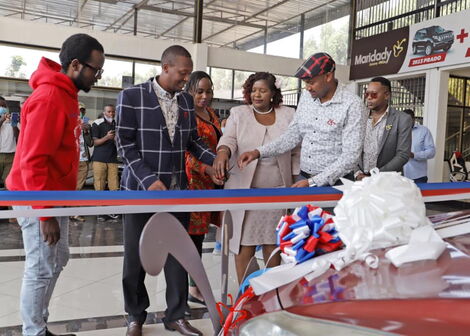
x=373, y=95
x=98, y=73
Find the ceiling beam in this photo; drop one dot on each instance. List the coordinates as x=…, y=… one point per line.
x=249, y=17
x=277, y=24
x=14, y=13
x=63, y=21
x=182, y=21
x=130, y=11
x=83, y=4
x=40, y=15
x=222, y=9
x=211, y=14
x=125, y=21
x=24, y=9
x=205, y=17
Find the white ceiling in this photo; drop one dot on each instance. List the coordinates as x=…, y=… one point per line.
x=225, y=21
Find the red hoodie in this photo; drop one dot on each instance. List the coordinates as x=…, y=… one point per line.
x=47, y=153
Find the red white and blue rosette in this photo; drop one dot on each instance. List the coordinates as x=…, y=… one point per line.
x=308, y=232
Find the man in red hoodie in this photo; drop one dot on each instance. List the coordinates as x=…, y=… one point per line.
x=47, y=158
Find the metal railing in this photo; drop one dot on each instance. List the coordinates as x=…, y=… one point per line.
x=291, y=97
x=452, y=144
x=466, y=154
x=378, y=16
x=458, y=126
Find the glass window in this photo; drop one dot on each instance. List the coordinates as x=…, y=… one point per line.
x=289, y=87
x=288, y=46
x=284, y=39
x=456, y=91
x=331, y=37
x=240, y=78
x=113, y=72
x=257, y=50
x=145, y=71
x=22, y=62
x=222, y=79
x=287, y=83
x=467, y=95
x=95, y=100
x=253, y=43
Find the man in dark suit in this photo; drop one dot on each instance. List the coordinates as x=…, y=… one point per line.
x=155, y=126
x=387, y=141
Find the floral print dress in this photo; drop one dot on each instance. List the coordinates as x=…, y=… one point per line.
x=210, y=133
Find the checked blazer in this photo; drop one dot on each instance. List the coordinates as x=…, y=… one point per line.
x=143, y=141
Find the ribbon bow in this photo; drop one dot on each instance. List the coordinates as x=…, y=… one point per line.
x=235, y=315
x=308, y=232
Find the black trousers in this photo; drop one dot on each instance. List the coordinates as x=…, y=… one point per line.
x=198, y=240
x=136, y=299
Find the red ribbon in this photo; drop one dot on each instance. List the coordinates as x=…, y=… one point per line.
x=242, y=314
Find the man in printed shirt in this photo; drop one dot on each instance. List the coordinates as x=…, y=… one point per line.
x=330, y=123
x=387, y=141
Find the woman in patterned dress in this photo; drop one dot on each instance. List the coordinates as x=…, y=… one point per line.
x=208, y=127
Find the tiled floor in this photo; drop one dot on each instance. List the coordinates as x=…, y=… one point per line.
x=154, y=329
x=88, y=296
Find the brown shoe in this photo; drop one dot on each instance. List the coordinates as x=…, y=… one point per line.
x=134, y=329
x=183, y=327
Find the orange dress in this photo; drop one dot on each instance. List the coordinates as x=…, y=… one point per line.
x=195, y=171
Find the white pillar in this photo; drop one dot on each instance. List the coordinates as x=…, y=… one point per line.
x=435, y=118
x=200, y=56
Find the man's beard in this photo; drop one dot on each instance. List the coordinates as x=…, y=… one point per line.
x=108, y=119
x=79, y=83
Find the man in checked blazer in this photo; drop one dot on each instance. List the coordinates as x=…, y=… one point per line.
x=155, y=126
x=387, y=142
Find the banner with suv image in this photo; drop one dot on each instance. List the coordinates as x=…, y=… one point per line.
x=435, y=43
x=432, y=39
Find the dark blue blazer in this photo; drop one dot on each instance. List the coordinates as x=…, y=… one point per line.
x=143, y=141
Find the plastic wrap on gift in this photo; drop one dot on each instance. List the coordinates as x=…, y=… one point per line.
x=308, y=232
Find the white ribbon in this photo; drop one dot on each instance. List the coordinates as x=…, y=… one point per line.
x=380, y=211
x=383, y=210
x=424, y=244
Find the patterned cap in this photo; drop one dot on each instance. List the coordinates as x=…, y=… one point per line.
x=317, y=64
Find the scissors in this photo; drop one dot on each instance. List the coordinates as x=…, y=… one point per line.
x=227, y=173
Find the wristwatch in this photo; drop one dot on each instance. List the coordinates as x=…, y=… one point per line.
x=311, y=182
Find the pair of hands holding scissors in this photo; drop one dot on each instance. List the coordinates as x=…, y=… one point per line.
x=221, y=164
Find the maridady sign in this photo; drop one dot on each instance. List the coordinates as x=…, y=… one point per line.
x=435, y=43
x=380, y=54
